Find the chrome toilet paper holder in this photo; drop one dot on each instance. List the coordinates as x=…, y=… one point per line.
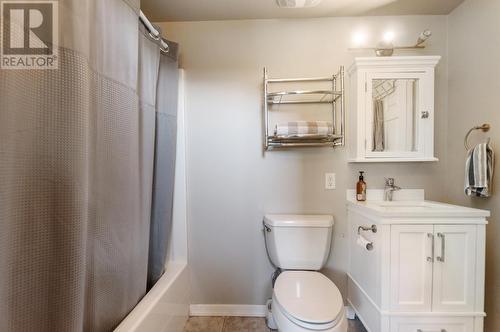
x=372, y=228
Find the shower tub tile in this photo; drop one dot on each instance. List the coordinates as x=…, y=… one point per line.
x=204, y=324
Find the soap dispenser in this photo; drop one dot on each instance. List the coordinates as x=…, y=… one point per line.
x=361, y=188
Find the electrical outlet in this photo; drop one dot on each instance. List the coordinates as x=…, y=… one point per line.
x=330, y=181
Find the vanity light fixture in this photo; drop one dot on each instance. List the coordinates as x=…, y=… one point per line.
x=297, y=3
x=386, y=46
x=423, y=37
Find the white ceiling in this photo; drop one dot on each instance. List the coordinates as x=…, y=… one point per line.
x=204, y=10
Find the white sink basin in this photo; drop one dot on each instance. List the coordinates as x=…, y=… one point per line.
x=409, y=205
x=404, y=206
x=400, y=204
x=417, y=209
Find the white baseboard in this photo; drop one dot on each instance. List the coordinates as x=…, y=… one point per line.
x=243, y=310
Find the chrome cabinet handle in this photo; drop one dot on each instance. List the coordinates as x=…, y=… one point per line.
x=441, y=258
x=425, y=114
x=431, y=257
x=441, y=330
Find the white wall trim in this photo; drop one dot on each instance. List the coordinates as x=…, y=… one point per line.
x=243, y=310
x=178, y=241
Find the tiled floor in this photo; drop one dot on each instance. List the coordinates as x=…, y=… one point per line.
x=242, y=324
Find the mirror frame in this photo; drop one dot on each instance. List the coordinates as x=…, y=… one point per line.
x=422, y=122
x=360, y=104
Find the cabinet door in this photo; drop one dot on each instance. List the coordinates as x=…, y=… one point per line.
x=432, y=324
x=454, y=268
x=411, y=267
x=398, y=111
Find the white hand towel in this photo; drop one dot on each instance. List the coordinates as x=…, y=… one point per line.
x=479, y=169
x=304, y=129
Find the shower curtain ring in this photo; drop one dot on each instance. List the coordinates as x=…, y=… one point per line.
x=155, y=37
x=164, y=47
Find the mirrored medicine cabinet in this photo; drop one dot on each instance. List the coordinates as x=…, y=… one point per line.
x=391, y=113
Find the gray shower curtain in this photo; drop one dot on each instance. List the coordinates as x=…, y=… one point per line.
x=164, y=167
x=77, y=154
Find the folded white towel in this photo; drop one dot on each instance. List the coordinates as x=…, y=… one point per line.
x=479, y=169
x=304, y=129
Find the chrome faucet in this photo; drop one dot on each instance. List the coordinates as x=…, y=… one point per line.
x=390, y=188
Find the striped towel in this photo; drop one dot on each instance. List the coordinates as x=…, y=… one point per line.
x=304, y=129
x=479, y=169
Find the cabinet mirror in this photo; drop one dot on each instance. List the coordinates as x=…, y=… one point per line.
x=394, y=122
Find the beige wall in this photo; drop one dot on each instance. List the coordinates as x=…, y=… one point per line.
x=474, y=89
x=231, y=185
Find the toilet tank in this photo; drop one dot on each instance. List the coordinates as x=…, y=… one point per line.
x=298, y=242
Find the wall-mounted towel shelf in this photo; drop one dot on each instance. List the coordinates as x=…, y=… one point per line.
x=327, y=97
x=334, y=96
x=327, y=141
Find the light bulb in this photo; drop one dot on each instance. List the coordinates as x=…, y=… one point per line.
x=359, y=38
x=388, y=36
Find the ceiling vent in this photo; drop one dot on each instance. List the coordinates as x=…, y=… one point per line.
x=297, y=3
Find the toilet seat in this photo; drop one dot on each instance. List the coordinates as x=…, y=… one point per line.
x=307, y=325
x=308, y=299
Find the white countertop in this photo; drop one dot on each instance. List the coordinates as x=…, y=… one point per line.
x=410, y=204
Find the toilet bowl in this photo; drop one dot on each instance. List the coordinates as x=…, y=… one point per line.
x=303, y=300
x=307, y=301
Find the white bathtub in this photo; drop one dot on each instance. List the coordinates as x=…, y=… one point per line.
x=166, y=306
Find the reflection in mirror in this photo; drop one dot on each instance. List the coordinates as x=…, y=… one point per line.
x=394, y=126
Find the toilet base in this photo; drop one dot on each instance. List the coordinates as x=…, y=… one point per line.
x=271, y=324
x=286, y=325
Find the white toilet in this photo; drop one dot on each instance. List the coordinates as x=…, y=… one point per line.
x=303, y=299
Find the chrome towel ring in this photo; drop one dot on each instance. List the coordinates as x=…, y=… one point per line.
x=485, y=128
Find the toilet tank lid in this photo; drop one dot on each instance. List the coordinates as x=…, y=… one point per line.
x=294, y=220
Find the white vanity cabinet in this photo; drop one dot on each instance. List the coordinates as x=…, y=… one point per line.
x=425, y=272
x=391, y=109
x=411, y=271
x=454, y=269
x=433, y=267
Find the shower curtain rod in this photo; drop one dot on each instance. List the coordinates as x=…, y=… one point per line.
x=153, y=32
